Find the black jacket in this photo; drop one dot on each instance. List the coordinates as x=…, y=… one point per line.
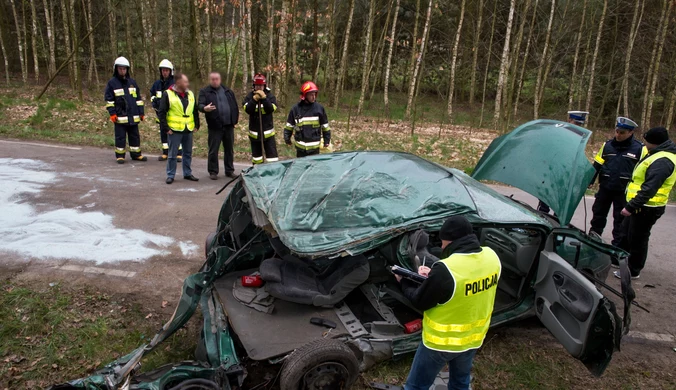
x=307, y=122
x=615, y=163
x=164, y=107
x=209, y=95
x=158, y=87
x=123, y=98
x=251, y=107
x=439, y=286
x=655, y=176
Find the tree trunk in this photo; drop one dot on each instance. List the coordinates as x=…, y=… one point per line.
x=243, y=42
x=4, y=57
x=92, y=47
x=571, y=86
x=525, y=60
x=377, y=65
x=20, y=42
x=656, y=72
x=293, y=57
x=145, y=40
x=414, y=42
x=488, y=63
x=670, y=111
x=315, y=38
x=271, y=37
x=454, y=61
x=170, y=29
x=208, y=10
x=112, y=31
x=366, y=62
x=232, y=68
x=329, y=74
x=281, y=56
x=34, y=41
x=418, y=61
x=250, y=41
x=503, y=65
x=75, y=47
x=514, y=63
x=636, y=21
x=609, y=82
x=197, y=40
x=592, y=69
x=475, y=53
x=538, y=81
x=388, y=66
x=343, y=59
x=51, y=65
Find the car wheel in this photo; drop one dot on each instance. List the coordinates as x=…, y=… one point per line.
x=207, y=243
x=320, y=365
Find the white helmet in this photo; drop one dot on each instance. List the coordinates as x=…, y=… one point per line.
x=121, y=61
x=165, y=63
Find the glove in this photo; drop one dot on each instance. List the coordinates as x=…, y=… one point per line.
x=113, y=118
x=256, y=97
x=143, y=117
x=261, y=94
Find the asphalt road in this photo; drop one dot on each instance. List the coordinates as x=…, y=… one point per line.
x=72, y=215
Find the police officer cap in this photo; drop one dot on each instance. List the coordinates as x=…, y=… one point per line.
x=657, y=135
x=454, y=228
x=578, y=116
x=626, y=124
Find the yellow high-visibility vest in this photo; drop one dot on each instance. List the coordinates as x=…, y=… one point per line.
x=461, y=323
x=661, y=198
x=177, y=118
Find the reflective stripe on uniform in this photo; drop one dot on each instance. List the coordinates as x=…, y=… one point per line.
x=118, y=92
x=273, y=159
x=120, y=150
x=158, y=94
x=122, y=119
x=307, y=145
x=257, y=160
x=274, y=107
x=310, y=120
x=455, y=341
x=599, y=156
x=110, y=104
x=288, y=126
x=661, y=197
x=454, y=327
x=165, y=146
x=137, y=118
x=135, y=149
x=140, y=103
x=266, y=133
x=132, y=91
x=325, y=127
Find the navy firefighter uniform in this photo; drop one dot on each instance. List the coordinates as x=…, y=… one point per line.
x=308, y=123
x=165, y=81
x=260, y=122
x=614, y=164
x=125, y=107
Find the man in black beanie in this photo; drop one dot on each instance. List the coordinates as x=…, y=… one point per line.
x=457, y=301
x=647, y=196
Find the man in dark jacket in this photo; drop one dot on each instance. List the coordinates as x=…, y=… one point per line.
x=219, y=106
x=647, y=196
x=308, y=123
x=125, y=107
x=614, y=164
x=165, y=81
x=260, y=104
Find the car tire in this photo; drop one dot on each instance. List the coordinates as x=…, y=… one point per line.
x=207, y=244
x=320, y=365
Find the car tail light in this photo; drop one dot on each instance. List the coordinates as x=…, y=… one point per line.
x=252, y=281
x=413, y=326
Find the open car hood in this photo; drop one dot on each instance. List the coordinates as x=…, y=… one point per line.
x=545, y=158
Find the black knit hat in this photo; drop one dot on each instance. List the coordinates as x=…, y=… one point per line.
x=657, y=135
x=454, y=228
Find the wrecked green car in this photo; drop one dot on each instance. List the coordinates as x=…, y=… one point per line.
x=297, y=273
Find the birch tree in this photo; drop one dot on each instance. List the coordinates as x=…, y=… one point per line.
x=197, y=40
x=243, y=42
x=343, y=58
x=92, y=71
x=488, y=62
x=414, y=41
x=20, y=37
x=418, y=61
x=367, y=57
x=4, y=57
x=515, y=55
x=538, y=80
x=656, y=71
x=525, y=60
x=578, y=39
x=127, y=32
x=475, y=52
x=34, y=41
x=503, y=65
x=281, y=56
x=388, y=65
x=636, y=21
x=252, y=65
x=454, y=60
x=170, y=29
x=112, y=29
x=592, y=69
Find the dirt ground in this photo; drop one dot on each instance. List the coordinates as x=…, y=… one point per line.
x=85, y=194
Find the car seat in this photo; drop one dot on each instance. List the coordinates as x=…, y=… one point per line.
x=417, y=249
x=294, y=280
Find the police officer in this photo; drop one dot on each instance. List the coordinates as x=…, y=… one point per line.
x=260, y=104
x=165, y=81
x=308, y=123
x=457, y=302
x=647, y=196
x=179, y=117
x=578, y=118
x=125, y=107
x=614, y=163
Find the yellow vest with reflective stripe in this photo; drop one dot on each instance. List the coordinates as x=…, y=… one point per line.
x=638, y=177
x=461, y=323
x=177, y=118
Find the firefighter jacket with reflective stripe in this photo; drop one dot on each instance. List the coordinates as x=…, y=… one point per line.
x=156, y=90
x=615, y=162
x=653, y=178
x=268, y=106
x=308, y=124
x=461, y=323
x=123, y=98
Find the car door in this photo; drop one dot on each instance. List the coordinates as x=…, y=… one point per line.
x=575, y=312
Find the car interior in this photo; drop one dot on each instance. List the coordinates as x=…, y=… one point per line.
x=353, y=295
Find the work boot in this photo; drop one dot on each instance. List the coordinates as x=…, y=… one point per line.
x=213, y=176
x=170, y=180
x=191, y=178
x=141, y=158
x=163, y=157
x=120, y=160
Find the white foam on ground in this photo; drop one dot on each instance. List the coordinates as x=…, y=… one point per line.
x=64, y=233
x=188, y=248
x=187, y=190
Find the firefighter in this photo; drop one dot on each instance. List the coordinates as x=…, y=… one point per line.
x=307, y=122
x=647, y=196
x=260, y=122
x=125, y=107
x=614, y=164
x=165, y=81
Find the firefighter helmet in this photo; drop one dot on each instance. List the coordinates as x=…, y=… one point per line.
x=259, y=79
x=308, y=86
x=121, y=61
x=165, y=63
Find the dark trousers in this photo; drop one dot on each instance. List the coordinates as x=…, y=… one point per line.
x=225, y=136
x=122, y=132
x=604, y=199
x=427, y=363
x=303, y=152
x=176, y=139
x=165, y=145
x=269, y=146
x=636, y=235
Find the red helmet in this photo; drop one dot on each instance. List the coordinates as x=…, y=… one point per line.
x=308, y=86
x=259, y=79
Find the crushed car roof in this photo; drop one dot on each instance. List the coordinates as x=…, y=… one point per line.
x=355, y=201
